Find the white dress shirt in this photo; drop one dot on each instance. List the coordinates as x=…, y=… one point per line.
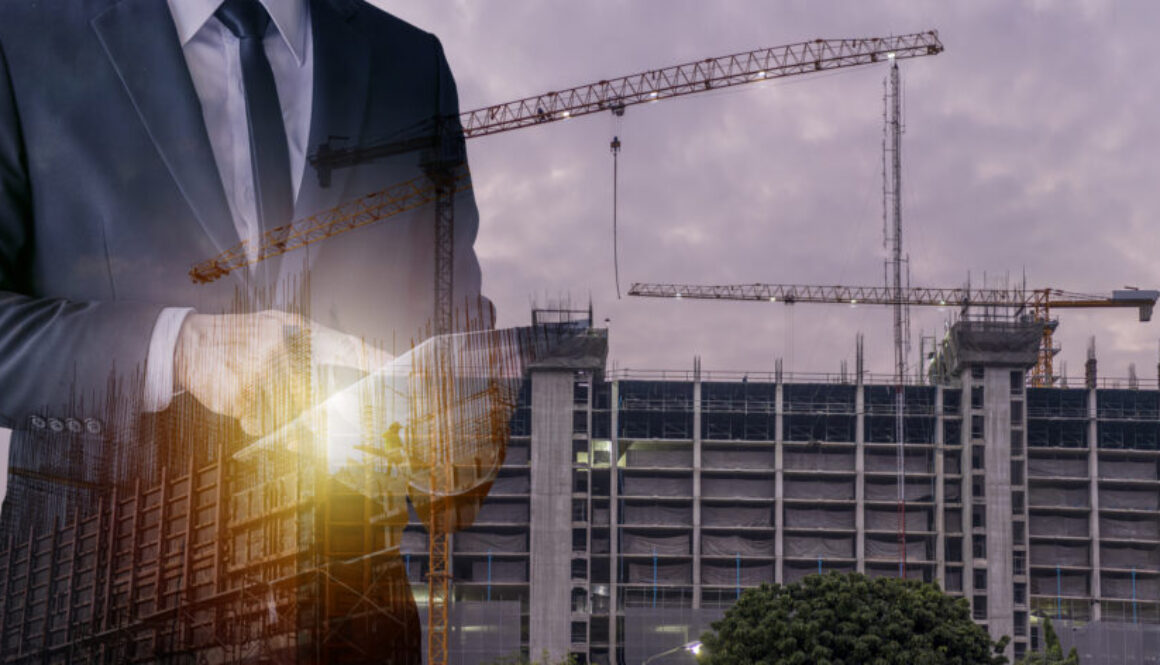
x=212, y=54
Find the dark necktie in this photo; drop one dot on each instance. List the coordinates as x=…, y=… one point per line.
x=269, y=152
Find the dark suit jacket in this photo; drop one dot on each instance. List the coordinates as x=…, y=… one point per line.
x=109, y=194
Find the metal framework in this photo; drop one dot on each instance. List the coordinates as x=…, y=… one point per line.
x=702, y=75
x=1036, y=303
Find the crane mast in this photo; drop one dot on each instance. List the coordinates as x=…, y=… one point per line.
x=892, y=210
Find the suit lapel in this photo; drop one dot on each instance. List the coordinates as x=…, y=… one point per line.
x=141, y=41
x=341, y=77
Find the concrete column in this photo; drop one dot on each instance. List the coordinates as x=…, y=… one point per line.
x=697, y=486
x=778, y=487
x=997, y=468
x=1094, y=516
x=998, y=348
x=940, y=555
x=860, y=476
x=614, y=521
x=550, y=551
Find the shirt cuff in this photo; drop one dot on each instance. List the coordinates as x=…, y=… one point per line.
x=159, y=362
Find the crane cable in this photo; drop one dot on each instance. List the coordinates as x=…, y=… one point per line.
x=615, y=147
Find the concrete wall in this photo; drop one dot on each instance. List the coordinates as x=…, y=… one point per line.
x=551, y=515
x=997, y=464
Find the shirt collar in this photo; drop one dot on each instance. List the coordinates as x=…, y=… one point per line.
x=288, y=16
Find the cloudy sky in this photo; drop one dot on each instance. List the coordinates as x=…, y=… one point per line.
x=1030, y=148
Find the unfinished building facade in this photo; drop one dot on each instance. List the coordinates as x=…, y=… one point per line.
x=677, y=490
x=632, y=509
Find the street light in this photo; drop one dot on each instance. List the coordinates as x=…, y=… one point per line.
x=692, y=647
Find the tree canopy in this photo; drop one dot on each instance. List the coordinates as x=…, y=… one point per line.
x=848, y=619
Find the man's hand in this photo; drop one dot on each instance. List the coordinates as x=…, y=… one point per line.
x=258, y=368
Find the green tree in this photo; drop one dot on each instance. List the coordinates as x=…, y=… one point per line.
x=838, y=619
x=1053, y=652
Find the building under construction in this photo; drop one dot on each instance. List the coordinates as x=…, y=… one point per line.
x=629, y=513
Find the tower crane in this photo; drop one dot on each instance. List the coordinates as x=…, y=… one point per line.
x=445, y=174
x=613, y=95
x=1037, y=303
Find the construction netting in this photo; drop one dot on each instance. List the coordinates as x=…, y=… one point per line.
x=1060, y=525
x=795, y=571
x=952, y=491
x=642, y=455
x=503, y=512
x=954, y=579
x=601, y=515
x=1126, y=585
x=830, y=489
x=517, y=454
x=736, y=573
x=918, y=548
x=809, y=517
x=659, y=572
x=1144, y=527
x=1129, y=469
x=1111, y=643
x=886, y=519
x=657, y=514
x=510, y=484
x=823, y=547
x=1141, y=555
x=913, y=572
x=737, y=458
x=1057, y=467
x=1059, y=497
x=1050, y=582
x=479, y=540
x=819, y=459
x=737, y=487
x=739, y=545
x=481, y=632
x=915, y=461
x=648, y=542
x=735, y=515
x=650, y=632
x=953, y=520
x=916, y=489
x=654, y=485
x=495, y=570
x=1143, y=498
x=1060, y=553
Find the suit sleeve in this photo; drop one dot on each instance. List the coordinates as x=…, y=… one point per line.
x=473, y=472
x=58, y=357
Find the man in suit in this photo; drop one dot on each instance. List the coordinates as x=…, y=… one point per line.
x=130, y=152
